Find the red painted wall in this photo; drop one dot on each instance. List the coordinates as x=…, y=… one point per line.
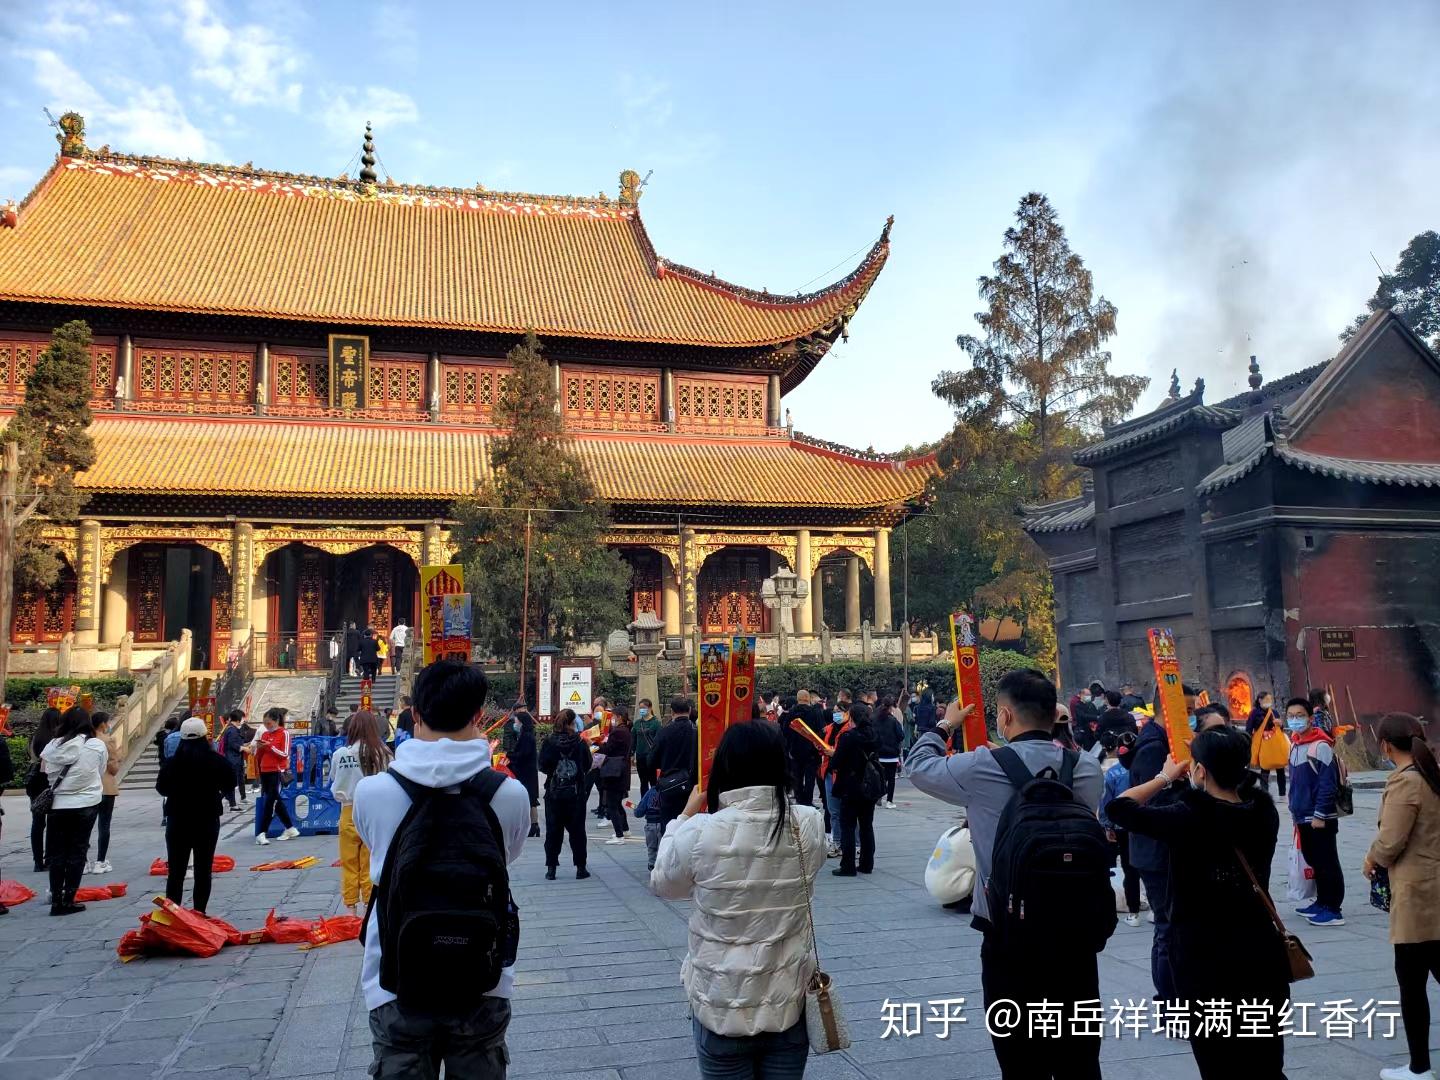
x=1386, y=587
x=1387, y=408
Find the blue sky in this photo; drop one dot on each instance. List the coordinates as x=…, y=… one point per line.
x=1225, y=168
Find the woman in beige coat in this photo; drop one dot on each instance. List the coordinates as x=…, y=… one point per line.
x=1407, y=844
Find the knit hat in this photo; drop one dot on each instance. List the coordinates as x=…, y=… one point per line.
x=194, y=728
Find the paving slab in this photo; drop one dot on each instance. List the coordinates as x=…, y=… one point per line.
x=599, y=994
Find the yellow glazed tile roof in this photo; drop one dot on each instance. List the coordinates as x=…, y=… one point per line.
x=304, y=460
x=116, y=231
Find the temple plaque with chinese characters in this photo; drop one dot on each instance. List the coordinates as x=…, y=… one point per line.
x=349, y=360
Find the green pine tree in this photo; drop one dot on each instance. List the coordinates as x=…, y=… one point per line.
x=51, y=428
x=578, y=586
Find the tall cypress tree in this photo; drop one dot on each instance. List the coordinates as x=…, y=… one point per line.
x=578, y=586
x=51, y=428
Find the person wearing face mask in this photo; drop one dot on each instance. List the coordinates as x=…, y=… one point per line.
x=1406, y=849
x=1085, y=716
x=1118, y=743
x=645, y=729
x=1314, y=782
x=1223, y=945
x=1261, y=715
x=977, y=780
x=1149, y=855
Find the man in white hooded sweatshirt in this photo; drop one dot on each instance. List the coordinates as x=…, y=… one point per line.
x=447, y=750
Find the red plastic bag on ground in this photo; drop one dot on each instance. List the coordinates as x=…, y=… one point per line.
x=287, y=931
x=337, y=928
x=89, y=894
x=219, y=864
x=186, y=930
x=12, y=893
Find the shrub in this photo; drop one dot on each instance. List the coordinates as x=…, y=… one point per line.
x=19, y=759
x=22, y=693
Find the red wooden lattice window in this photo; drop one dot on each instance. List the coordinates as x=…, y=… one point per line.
x=221, y=599
x=299, y=379
x=645, y=585
x=180, y=374
x=397, y=385
x=735, y=403
x=381, y=587
x=310, y=608
x=471, y=390
x=17, y=360
x=623, y=396
x=729, y=590
x=42, y=615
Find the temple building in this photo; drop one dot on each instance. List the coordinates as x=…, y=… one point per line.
x=295, y=377
x=1290, y=535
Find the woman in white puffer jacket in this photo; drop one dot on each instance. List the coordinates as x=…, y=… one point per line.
x=737, y=851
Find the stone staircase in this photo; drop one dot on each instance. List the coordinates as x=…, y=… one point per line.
x=146, y=767
x=382, y=694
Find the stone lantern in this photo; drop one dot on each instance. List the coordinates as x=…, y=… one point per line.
x=783, y=591
x=646, y=645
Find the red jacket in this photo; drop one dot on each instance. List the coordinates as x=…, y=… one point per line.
x=272, y=750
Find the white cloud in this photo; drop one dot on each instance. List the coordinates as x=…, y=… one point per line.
x=139, y=119
x=346, y=110
x=74, y=19
x=250, y=63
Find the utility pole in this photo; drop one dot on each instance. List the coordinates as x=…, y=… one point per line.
x=12, y=516
x=525, y=612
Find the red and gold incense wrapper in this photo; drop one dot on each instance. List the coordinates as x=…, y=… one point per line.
x=809, y=735
x=966, y=647
x=713, y=663
x=742, y=680
x=1170, y=691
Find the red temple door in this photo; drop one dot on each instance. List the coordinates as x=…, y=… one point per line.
x=147, y=594
x=644, y=583
x=380, y=587
x=310, y=611
x=730, y=593
x=220, y=601
x=44, y=615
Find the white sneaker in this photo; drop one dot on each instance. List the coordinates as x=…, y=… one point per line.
x=106, y=868
x=291, y=833
x=1132, y=920
x=261, y=840
x=615, y=840
x=889, y=806
x=1403, y=1073
x=832, y=851
x=89, y=868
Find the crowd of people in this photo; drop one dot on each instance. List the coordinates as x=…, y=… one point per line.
x=428, y=827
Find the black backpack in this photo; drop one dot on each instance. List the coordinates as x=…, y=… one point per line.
x=1050, y=868
x=872, y=781
x=446, y=921
x=563, y=783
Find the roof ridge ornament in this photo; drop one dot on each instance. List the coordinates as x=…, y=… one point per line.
x=367, y=157
x=71, y=135
x=1174, y=385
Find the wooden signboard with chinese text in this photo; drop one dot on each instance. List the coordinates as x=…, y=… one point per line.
x=966, y=647
x=349, y=367
x=1170, y=691
x=1337, y=645
x=713, y=663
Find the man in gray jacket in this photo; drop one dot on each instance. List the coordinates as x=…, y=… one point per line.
x=1025, y=717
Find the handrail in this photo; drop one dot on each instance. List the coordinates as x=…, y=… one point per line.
x=137, y=711
x=239, y=670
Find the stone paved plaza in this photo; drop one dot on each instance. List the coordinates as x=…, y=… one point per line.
x=598, y=994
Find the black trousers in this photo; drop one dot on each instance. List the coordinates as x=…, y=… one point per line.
x=858, y=812
x=1318, y=847
x=1157, y=888
x=242, y=782
x=271, y=803
x=672, y=804
x=804, y=783
x=1414, y=965
x=1023, y=977
x=33, y=786
x=647, y=779
x=102, y=826
x=889, y=769
x=67, y=838
x=397, y=654
x=614, y=792
x=1279, y=780
x=1130, y=875
x=183, y=839
x=561, y=817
